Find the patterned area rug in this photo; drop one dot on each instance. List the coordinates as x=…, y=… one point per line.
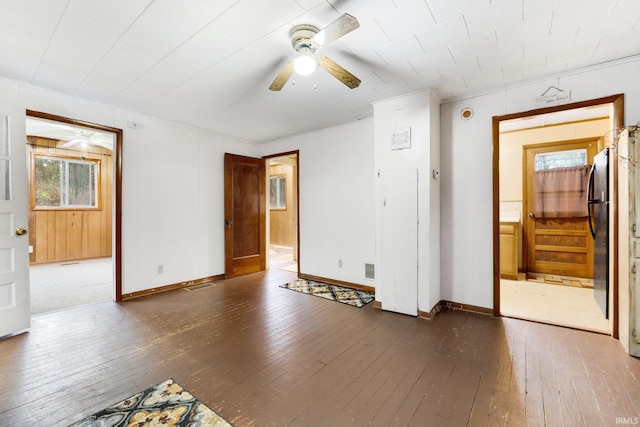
x=551, y=279
x=165, y=404
x=335, y=293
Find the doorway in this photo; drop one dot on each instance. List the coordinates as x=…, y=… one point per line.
x=555, y=296
x=74, y=212
x=282, y=204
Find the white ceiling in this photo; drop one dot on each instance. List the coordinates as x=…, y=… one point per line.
x=209, y=63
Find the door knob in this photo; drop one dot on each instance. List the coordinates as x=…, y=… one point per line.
x=227, y=224
x=20, y=231
x=532, y=215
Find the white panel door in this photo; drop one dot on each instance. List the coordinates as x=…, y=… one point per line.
x=15, y=302
x=630, y=140
x=399, y=240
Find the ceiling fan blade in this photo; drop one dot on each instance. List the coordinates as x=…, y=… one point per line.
x=338, y=28
x=282, y=77
x=104, y=145
x=337, y=71
x=72, y=143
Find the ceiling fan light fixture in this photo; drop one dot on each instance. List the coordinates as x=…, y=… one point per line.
x=304, y=65
x=306, y=39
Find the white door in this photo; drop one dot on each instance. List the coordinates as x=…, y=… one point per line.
x=399, y=241
x=15, y=303
x=632, y=270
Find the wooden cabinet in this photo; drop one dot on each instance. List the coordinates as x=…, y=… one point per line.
x=509, y=244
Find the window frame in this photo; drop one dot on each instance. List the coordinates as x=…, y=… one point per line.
x=282, y=177
x=552, y=153
x=66, y=159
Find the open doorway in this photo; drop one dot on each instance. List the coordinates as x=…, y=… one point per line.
x=543, y=263
x=73, y=216
x=282, y=202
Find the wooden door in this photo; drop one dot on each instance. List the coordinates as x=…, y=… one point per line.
x=244, y=209
x=559, y=246
x=15, y=302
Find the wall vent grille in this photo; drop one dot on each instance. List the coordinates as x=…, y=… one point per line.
x=369, y=271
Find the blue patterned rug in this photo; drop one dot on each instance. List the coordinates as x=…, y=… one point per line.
x=349, y=296
x=165, y=404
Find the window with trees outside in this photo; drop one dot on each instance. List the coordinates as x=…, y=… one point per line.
x=277, y=192
x=65, y=182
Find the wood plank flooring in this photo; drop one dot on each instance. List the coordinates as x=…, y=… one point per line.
x=261, y=355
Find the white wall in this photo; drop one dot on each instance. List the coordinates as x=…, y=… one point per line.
x=467, y=245
x=172, y=218
x=172, y=209
x=426, y=300
x=420, y=113
x=336, y=199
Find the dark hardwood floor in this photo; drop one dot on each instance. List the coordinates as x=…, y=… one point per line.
x=261, y=355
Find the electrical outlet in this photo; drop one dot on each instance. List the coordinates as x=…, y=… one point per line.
x=339, y=263
x=160, y=269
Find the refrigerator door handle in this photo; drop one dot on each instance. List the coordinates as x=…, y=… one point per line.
x=590, y=201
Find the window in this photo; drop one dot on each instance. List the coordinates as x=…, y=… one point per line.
x=561, y=159
x=277, y=192
x=65, y=182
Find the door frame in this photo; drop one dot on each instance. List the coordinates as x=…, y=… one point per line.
x=117, y=187
x=285, y=154
x=617, y=102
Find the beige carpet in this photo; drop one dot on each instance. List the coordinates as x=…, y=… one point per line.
x=63, y=285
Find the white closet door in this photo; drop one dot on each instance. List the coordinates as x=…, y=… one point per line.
x=399, y=240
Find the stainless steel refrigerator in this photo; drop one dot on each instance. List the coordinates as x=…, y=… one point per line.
x=598, y=215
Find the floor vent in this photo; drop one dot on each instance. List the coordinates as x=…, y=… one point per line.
x=369, y=271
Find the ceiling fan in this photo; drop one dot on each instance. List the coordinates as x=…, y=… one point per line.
x=306, y=39
x=89, y=138
x=68, y=135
